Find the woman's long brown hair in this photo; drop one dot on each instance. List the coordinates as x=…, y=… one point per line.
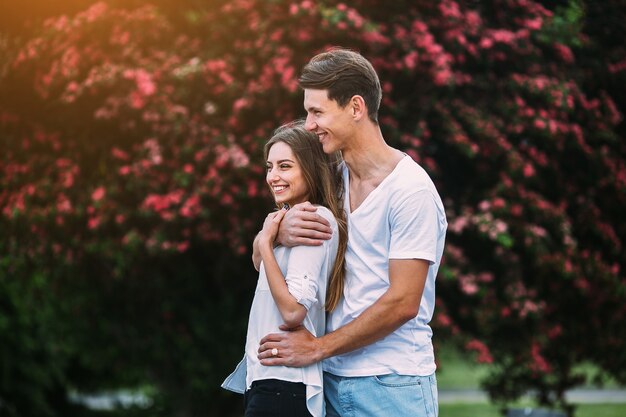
x=325, y=184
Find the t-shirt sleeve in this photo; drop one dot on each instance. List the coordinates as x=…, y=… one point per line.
x=414, y=227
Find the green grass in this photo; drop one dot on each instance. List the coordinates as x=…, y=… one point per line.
x=456, y=371
x=468, y=410
x=488, y=410
x=445, y=410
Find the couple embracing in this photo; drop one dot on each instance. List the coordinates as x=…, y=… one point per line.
x=347, y=264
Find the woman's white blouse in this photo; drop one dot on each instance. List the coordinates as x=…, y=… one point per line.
x=306, y=270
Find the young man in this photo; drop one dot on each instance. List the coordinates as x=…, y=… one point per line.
x=377, y=354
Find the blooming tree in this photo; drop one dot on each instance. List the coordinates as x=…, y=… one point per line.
x=131, y=161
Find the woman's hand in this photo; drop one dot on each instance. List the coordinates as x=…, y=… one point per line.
x=270, y=228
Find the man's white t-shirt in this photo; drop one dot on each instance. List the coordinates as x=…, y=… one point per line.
x=403, y=218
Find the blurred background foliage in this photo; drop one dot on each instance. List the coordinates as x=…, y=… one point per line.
x=131, y=183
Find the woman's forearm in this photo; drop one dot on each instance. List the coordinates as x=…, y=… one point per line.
x=292, y=312
x=256, y=254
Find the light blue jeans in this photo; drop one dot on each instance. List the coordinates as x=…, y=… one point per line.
x=382, y=395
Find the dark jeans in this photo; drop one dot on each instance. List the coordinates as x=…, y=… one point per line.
x=275, y=398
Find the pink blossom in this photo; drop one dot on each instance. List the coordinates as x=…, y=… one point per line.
x=145, y=84
x=527, y=307
x=486, y=43
x=410, y=60
x=500, y=227
x=533, y=24
x=503, y=36
x=442, y=77
x=136, y=100
x=615, y=269
x=473, y=19
x=485, y=277
x=94, y=12
x=540, y=364
x=555, y=331
x=182, y=246
x=93, y=222
x=98, y=194
x=374, y=37
x=72, y=87
x=68, y=179
x=119, y=154
x=564, y=52
x=529, y=170
x=166, y=215
x=484, y=355
x=226, y=199
x=239, y=104
x=303, y=35
x=469, y=288
x=450, y=9
x=419, y=26
x=64, y=205
x=252, y=189
x=498, y=203
x=617, y=67
x=614, y=114
x=444, y=320
x=191, y=208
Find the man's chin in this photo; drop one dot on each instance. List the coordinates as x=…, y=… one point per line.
x=327, y=148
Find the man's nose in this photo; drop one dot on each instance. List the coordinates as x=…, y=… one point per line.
x=309, y=124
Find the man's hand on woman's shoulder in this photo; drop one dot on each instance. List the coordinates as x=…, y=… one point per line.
x=303, y=226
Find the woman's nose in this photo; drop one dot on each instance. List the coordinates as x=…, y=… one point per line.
x=271, y=175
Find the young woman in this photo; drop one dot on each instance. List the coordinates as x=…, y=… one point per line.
x=298, y=285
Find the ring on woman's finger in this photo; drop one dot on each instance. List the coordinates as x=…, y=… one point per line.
x=274, y=352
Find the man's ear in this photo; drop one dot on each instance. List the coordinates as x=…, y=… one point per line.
x=358, y=107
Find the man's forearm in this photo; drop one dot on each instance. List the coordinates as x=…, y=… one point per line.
x=395, y=307
x=376, y=322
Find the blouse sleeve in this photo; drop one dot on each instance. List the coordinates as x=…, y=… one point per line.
x=305, y=274
x=308, y=269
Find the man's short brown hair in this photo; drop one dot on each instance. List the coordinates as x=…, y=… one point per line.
x=344, y=73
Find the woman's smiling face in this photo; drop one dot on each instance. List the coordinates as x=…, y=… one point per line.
x=284, y=175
